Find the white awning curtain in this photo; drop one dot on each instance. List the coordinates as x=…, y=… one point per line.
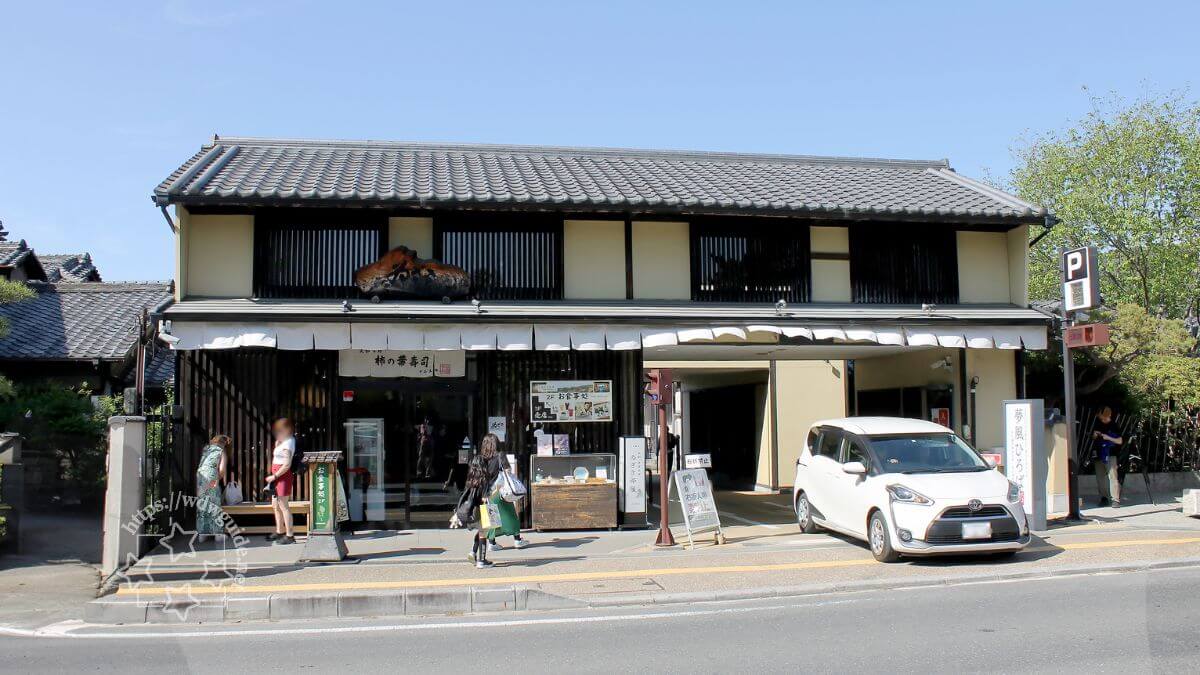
x=582, y=337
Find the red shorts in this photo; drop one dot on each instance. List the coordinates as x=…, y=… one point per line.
x=283, y=484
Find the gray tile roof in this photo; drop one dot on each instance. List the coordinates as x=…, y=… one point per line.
x=14, y=252
x=79, y=321
x=235, y=170
x=70, y=268
x=160, y=367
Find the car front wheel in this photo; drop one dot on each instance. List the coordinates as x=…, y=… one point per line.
x=881, y=543
x=804, y=515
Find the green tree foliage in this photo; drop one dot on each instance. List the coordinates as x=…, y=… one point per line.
x=67, y=422
x=13, y=291
x=10, y=291
x=1127, y=179
x=1148, y=353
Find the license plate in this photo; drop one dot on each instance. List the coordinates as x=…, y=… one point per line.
x=976, y=530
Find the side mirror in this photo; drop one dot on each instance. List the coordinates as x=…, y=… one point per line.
x=856, y=468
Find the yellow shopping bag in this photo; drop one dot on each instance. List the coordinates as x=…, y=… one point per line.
x=489, y=516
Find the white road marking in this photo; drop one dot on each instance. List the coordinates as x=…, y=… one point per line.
x=746, y=521
x=66, y=629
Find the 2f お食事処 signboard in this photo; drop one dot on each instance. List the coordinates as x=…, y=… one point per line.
x=571, y=400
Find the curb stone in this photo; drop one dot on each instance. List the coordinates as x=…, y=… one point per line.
x=112, y=609
x=465, y=600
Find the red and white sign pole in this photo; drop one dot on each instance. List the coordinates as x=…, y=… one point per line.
x=659, y=390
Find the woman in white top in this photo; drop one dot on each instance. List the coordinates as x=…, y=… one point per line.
x=281, y=478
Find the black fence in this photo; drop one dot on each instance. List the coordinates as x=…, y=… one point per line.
x=892, y=264
x=734, y=262
x=506, y=261
x=239, y=393
x=313, y=260
x=1161, y=441
x=168, y=471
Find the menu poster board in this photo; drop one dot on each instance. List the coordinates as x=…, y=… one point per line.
x=553, y=445
x=696, y=499
x=498, y=426
x=571, y=400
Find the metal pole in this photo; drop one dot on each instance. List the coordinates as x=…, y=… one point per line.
x=664, y=487
x=1069, y=403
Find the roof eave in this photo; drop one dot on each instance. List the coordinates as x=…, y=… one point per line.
x=1009, y=220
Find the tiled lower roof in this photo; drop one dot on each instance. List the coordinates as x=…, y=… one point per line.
x=13, y=252
x=70, y=268
x=160, y=367
x=234, y=170
x=79, y=321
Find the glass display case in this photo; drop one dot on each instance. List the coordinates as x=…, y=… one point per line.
x=573, y=492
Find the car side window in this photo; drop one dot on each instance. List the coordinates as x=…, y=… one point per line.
x=855, y=452
x=829, y=444
x=814, y=435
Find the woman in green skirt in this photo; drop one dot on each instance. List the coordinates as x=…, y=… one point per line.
x=510, y=522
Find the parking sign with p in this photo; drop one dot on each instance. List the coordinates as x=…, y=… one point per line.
x=1081, y=279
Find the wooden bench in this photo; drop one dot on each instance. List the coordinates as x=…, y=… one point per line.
x=298, y=508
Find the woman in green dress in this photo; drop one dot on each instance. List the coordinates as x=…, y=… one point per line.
x=510, y=522
x=209, y=477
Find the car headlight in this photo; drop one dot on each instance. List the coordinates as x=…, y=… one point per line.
x=905, y=495
x=1014, y=492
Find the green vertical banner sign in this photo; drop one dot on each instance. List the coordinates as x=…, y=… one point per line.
x=323, y=491
x=326, y=507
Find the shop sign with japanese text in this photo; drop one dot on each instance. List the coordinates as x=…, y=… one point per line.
x=396, y=363
x=571, y=400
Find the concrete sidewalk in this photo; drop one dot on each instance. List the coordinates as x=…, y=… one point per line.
x=55, y=574
x=426, y=572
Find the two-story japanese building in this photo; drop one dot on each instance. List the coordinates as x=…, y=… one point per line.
x=779, y=289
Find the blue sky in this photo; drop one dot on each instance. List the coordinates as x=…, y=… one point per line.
x=99, y=101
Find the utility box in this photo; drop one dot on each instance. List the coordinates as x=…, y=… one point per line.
x=1191, y=503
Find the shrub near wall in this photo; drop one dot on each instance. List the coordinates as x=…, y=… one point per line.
x=67, y=427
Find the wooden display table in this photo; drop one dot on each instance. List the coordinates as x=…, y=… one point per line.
x=574, y=506
x=297, y=507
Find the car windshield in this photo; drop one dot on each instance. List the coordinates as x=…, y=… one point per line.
x=926, y=453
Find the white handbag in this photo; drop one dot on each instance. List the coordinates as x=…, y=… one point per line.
x=233, y=493
x=511, y=487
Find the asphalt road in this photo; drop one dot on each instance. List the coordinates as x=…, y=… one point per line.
x=1130, y=623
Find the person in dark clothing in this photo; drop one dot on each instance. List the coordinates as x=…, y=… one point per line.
x=466, y=514
x=1107, y=442
x=497, y=461
x=425, y=449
